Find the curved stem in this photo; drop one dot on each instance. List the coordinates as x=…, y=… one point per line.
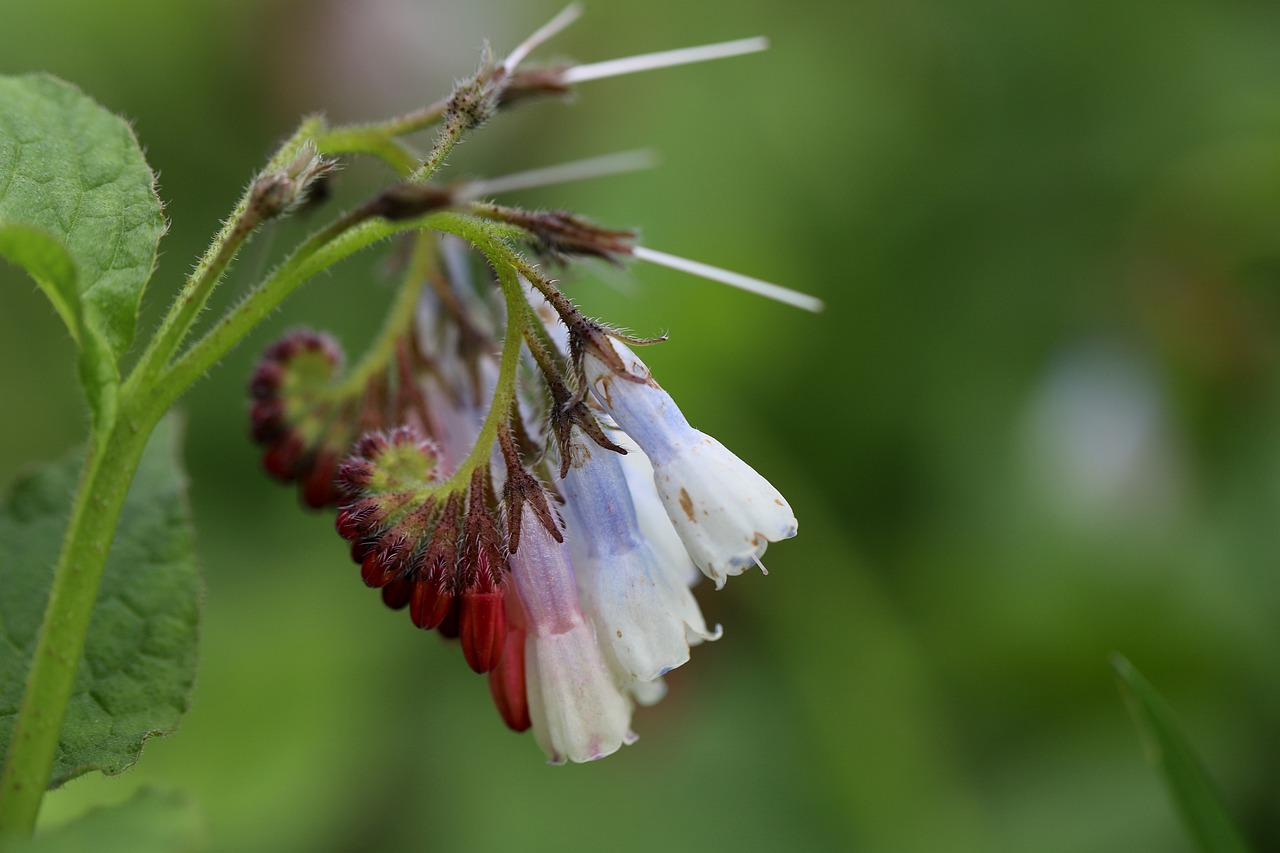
x=202, y=282
x=504, y=392
x=399, y=318
x=326, y=248
x=368, y=140
x=411, y=122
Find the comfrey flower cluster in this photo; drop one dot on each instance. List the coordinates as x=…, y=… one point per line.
x=507, y=469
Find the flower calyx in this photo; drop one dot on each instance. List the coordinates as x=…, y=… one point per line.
x=522, y=489
x=560, y=235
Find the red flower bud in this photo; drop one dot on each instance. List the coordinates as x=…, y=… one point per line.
x=430, y=603
x=396, y=594
x=284, y=459
x=482, y=627
x=319, y=488
x=434, y=591
x=506, y=680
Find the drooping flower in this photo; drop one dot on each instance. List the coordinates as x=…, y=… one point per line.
x=725, y=512
x=637, y=597
x=578, y=712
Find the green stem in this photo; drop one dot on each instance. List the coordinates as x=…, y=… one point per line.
x=399, y=318
x=451, y=132
x=368, y=140
x=326, y=248
x=504, y=392
x=108, y=471
x=195, y=293
x=379, y=138
x=411, y=122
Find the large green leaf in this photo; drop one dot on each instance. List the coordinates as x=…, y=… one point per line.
x=151, y=821
x=74, y=171
x=47, y=260
x=1193, y=793
x=140, y=655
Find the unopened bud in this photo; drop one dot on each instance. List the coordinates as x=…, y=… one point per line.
x=281, y=191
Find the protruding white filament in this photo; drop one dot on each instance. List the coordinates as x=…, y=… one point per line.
x=563, y=173
x=547, y=31
x=664, y=59
x=733, y=279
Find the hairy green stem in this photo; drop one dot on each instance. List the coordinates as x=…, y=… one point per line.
x=380, y=138
x=411, y=122
x=368, y=140
x=504, y=392
x=399, y=318
x=208, y=273
x=326, y=248
x=104, y=482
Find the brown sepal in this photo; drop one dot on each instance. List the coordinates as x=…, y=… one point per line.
x=576, y=413
x=521, y=488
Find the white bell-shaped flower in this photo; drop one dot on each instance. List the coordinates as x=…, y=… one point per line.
x=725, y=513
x=638, y=598
x=651, y=515
x=577, y=711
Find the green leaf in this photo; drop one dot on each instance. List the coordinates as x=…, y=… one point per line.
x=140, y=655
x=1194, y=794
x=47, y=261
x=74, y=171
x=153, y=820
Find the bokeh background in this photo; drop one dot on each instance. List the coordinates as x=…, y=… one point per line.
x=1038, y=423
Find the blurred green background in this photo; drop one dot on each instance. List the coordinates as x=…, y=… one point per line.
x=1039, y=421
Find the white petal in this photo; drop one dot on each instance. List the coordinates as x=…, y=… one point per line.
x=651, y=515
x=640, y=605
x=724, y=512
x=577, y=711
x=648, y=692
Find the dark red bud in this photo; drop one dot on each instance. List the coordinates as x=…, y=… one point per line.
x=430, y=603
x=361, y=548
x=448, y=626
x=349, y=522
x=354, y=475
x=373, y=569
x=266, y=380
x=360, y=520
x=405, y=436
x=286, y=458
x=309, y=340
x=266, y=420
x=482, y=627
x=370, y=445
x=481, y=567
x=386, y=561
x=320, y=489
x=282, y=350
x=396, y=594
x=507, y=684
